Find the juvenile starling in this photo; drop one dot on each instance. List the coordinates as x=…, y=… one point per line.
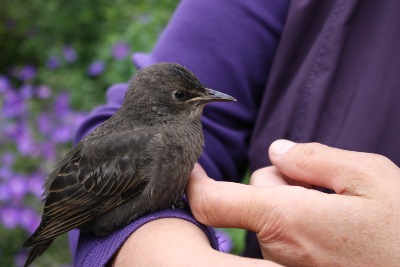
x=136, y=162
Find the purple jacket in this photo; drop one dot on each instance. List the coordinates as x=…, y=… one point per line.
x=309, y=70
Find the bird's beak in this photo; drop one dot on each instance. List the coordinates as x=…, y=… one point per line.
x=212, y=95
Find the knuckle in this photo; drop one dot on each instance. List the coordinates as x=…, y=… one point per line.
x=372, y=163
x=381, y=160
x=202, y=204
x=197, y=207
x=256, y=176
x=277, y=228
x=307, y=153
x=375, y=165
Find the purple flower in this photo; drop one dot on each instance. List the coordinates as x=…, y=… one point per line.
x=13, y=105
x=24, y=140
x=10, y=129
x=120, y=50
x=61, y=105
x=224, y=240
x=62, y=134
x=27, y=73
x=96, y=68
x=20, y=258
x=4, y=84
x=44, y=123
x=25, y=144
x=49, y=150
x=9, y=216
x=17, y=187
x=43, y=92
x=6, y=173
x=69, y=54
x=29, y=220
x=8, y=159
x=54, y=62
x=26, y=91
x=4, y=193
x=35, y=184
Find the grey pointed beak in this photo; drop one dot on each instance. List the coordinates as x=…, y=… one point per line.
x=214, y=96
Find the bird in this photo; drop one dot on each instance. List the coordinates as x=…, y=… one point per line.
x=137, y=162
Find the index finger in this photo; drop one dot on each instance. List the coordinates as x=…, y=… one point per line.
x=345, y=172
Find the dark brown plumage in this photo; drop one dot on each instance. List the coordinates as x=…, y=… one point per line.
x=136, y=162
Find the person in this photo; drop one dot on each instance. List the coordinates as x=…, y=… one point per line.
x=304, y=70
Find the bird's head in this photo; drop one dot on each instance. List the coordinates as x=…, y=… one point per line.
x=169, y=91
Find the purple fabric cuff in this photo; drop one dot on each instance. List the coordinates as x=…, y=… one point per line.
x=98, y=251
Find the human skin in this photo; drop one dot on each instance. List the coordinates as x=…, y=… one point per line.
x=296, y=226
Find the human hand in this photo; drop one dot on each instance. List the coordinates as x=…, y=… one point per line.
x=296, y=226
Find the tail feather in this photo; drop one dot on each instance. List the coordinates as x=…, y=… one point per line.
x=36, y=251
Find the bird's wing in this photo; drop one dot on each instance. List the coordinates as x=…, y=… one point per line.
x=99, y=176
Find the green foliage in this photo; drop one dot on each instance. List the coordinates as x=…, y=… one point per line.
x=11, y=242
x=33, y=31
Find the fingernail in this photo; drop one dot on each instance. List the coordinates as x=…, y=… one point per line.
x=280, y=147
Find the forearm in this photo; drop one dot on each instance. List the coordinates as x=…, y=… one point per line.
x=175, y=242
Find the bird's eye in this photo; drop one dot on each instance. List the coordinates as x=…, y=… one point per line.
x=180, y=95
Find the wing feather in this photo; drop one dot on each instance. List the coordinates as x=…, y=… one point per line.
x=98, y=176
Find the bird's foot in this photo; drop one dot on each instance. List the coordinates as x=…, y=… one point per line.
x=179, y=204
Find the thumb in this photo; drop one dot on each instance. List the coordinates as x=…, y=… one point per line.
x=345, y=172
x=225, y=204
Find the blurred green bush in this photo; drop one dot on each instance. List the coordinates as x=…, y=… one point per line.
x=34, y=31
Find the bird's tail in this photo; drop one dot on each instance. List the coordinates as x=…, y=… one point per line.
x=36, y=251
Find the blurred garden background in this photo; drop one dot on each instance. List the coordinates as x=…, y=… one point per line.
x=57, y=59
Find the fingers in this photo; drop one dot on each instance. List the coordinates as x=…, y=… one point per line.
x=268, y=176
x=343, y=171
x=204, y=194
x=198, y=169
x=223, y=204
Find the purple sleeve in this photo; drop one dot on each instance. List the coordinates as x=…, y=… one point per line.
x=98, y=251
x=229, y=45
